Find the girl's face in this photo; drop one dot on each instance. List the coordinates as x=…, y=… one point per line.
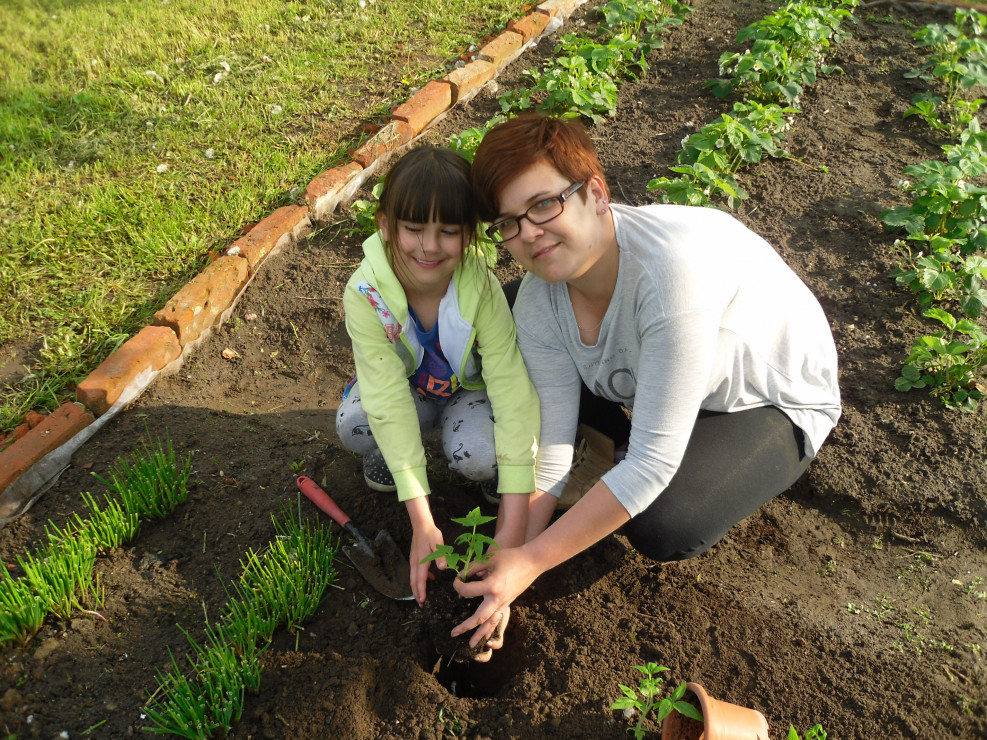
x=566, y=247
x=425, y=255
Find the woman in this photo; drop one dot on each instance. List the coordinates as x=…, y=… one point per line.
x=681, y=315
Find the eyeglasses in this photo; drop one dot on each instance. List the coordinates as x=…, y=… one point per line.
x=540, y=213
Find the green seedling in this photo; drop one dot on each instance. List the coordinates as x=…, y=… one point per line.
x=942, y=274
x=699, y=185
x=297, y=466
x=287, y=583
x=61, y=577
x=477, y=546
x=567, y=87
x=648, y=701
x=745, y=137
x=467, y=140
x=213, y=698
x=451, y=724
x=581, y=79
x=21, y=612
x=816, y=732
x=364, y=212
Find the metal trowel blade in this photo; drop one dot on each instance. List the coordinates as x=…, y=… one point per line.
x=388, y=572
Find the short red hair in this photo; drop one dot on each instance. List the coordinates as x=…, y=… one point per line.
x=512, y=148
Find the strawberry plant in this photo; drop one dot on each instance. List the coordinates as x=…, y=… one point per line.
x=786, y=53
x=946, y=363
x=568, y=87
x=942, y=274
x=958, y=61
x=582, y=78
x=637, y=18
x=948, y=202
x=732, y=141
x=699, y=185
x=709, y=158
x=477, y=545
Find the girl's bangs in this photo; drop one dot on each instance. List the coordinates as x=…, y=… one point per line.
x=437, y=197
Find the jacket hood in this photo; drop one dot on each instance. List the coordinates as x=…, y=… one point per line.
x=378, y=271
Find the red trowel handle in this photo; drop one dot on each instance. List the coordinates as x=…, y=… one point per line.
x=313, y=491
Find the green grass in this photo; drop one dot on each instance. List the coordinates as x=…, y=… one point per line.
x=137, y=135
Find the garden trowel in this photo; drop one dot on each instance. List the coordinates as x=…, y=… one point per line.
x=380, y=561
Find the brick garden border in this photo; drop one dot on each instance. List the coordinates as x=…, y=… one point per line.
x=33, y=455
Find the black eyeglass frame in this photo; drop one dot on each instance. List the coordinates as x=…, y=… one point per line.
x=561, y=198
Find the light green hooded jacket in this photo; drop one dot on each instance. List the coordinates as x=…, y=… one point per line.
x=478, y=339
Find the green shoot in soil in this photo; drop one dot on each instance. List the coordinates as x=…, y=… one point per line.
x=281, y=587
x=816, y=732
x=58, y=577
x=151, y=483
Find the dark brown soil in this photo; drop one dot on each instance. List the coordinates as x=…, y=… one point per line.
x=854, y=600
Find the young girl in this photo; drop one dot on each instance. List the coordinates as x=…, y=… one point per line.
x=434, y=344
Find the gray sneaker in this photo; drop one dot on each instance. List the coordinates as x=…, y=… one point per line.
x=376, y=474
x=489, y=490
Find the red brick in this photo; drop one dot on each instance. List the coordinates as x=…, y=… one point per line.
x=281, y=228
x=425, y=105
x=531, y=26
x=502, y=49
x=195, y=308
x=393, y=136
x=562, y=8
x=153, y=347
x=467, y=80
x=33, y=418
x=57, y=429
x=327, y=190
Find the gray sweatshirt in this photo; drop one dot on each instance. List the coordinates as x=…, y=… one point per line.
x=705, y=315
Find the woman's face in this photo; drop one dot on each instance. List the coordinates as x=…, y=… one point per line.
x=425, y=255
x=565, y=247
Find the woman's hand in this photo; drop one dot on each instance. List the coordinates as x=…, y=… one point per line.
x=501, y=580
x=496, y=640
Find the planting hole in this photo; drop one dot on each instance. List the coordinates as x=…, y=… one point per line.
x=471, y=680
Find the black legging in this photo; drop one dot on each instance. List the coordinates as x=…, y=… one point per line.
x=733, y=465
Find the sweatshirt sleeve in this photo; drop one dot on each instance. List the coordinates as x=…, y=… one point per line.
x=556, y=380
x=512, y=396
x=386, y=398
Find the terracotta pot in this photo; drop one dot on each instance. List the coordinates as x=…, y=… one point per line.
x=723, y=721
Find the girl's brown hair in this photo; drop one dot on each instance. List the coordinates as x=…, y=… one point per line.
x=513, y=147
x=429, y=183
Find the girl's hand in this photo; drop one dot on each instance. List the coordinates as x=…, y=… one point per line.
x=424, y=540
x=503, y=578
x=425, y=537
